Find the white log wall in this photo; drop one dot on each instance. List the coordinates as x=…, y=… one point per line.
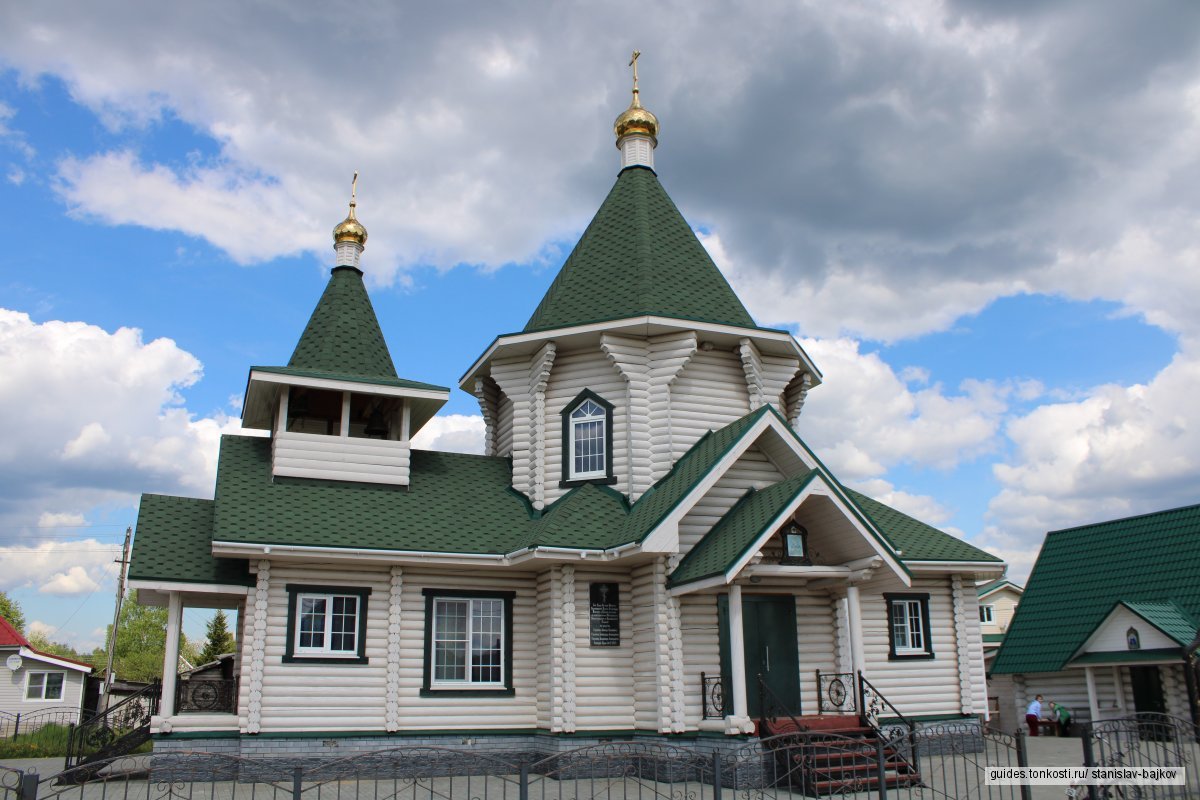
x=752, y=470
x=504, y=427
x=572, y=373
x=549, y=631
x=603, y=675
x=917, y=687
x=488, y=395
x=1070, y=687
x=651, y=648
x=702, y=653
x=308, y=455
x=524, y=382
x=709, y=394
x=474, y=711
x=334, y=697
x=971, y=678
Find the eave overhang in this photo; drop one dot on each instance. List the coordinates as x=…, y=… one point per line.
x=768, y=341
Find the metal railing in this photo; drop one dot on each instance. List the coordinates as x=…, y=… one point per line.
x=115, y=731
x=836, y=693
x=898, y=728
x=13, y=725
x=712, y=691
x=210, y=696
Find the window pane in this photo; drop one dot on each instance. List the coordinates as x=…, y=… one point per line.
x=899, y=626
x=589, y=446
x=36, y=682
x=487, y=636
x=344, y=623
x=916, y=634
x=312, y=622
x=54, y=686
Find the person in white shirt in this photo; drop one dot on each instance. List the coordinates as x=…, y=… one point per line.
x=1032, y=714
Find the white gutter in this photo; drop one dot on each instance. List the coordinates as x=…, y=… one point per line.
x=953, y=566
x=190, y=588
x=243, y=549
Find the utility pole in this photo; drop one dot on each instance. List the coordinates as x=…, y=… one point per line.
x=112, y=636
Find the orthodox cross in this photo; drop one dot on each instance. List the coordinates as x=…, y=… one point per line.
x=633, y=63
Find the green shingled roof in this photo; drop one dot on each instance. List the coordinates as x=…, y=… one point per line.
x=730, y=538
x=374, y=380
x=991, y=586
x=1082, y=573
x=638, y=257
x=343, y=335
x=916, y=540
x=1167, y=617
x=1127, y=656
x=174, y=543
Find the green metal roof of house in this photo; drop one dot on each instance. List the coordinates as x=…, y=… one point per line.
x=638, y=257
x=1081, y=573
x=1167, y=617
x=916, y=540
x=178, y=544
x=737, y=531
x=343, y=334
x=993, y=638
x=992, y=586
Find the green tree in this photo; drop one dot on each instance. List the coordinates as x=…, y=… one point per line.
x=11, y=610
x=41, y=642
x=218, y=638
x=141, y=642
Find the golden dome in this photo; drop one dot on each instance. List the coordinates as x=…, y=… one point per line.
x=350, y=229
x=636, y=119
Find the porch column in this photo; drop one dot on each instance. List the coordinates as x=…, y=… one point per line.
x=1119, y=688
x=166, y=706
x=737, y=652
x=1093, y=703
x=858, y=662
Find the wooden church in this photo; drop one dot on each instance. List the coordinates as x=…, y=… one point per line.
x=646, y=548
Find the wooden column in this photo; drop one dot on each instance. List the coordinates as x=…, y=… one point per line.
x=166, y=706
x=737, y=652
x=1093, y=702
x=1119, y=688
x=858, y=660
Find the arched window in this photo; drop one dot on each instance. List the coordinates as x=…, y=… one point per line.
x=587, y=439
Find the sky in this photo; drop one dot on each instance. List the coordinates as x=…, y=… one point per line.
x=980, y=219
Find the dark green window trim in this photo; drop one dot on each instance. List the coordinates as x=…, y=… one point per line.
x=507, y=690
x=294, y=589
x=567, y=450
x=927, y=654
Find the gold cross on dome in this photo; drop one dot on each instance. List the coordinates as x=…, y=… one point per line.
x=354, y=186
x=633, y=63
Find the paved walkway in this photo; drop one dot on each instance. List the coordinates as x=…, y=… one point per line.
x=42, y=766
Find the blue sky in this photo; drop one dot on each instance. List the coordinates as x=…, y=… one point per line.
x=981, y=224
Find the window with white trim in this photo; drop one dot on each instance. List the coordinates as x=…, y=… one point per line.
x=587, y=429
x=468, y=640
x=587, y=441
x=326, y=622
x=987, y=614
x=44, y=685
x=908, y=626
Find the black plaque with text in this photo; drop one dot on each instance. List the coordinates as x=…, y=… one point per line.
x=605, y=614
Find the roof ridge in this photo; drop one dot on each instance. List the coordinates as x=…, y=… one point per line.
x=1164, y=511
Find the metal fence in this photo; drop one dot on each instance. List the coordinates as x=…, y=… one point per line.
x=13, y=725
x=940, y=762
x=1144, y=740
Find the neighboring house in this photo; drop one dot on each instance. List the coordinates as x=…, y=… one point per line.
x=644, y=528
x=998, y=602
x=41, y=687
x=1109, y=618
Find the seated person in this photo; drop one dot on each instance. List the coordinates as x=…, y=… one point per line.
x=1061, y=716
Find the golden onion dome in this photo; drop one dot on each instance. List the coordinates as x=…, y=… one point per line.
x=636, y=119
x=350, y=229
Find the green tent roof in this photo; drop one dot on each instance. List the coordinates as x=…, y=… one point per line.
x=638, y=257
x=1082, y=573
x=343, y=335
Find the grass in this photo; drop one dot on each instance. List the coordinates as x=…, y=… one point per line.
x=48, y=741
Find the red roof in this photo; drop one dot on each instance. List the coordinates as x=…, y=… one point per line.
x=10, y=636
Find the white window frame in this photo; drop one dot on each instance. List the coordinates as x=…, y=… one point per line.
x=987, y=614
x=913, y=609
x=466, y=683
x=573, y=425
x=326, y=649
x=62, y=689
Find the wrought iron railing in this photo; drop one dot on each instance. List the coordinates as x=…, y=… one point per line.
x=115, y=731
x=886, y=720
x=712, y=690
x=775, y=715
x=209, y=696
x=836, y=693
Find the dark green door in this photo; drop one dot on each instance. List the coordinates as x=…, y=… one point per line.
x=769, y=631
x=1147, y=690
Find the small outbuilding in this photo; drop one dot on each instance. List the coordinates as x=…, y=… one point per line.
x=38, y=688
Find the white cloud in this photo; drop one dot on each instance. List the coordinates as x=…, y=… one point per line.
x=58, y=567
x=74, y=581
x=127, y=433
x=456, y=433
x=62, y=519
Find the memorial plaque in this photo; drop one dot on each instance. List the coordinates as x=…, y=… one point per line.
x=605, y=614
